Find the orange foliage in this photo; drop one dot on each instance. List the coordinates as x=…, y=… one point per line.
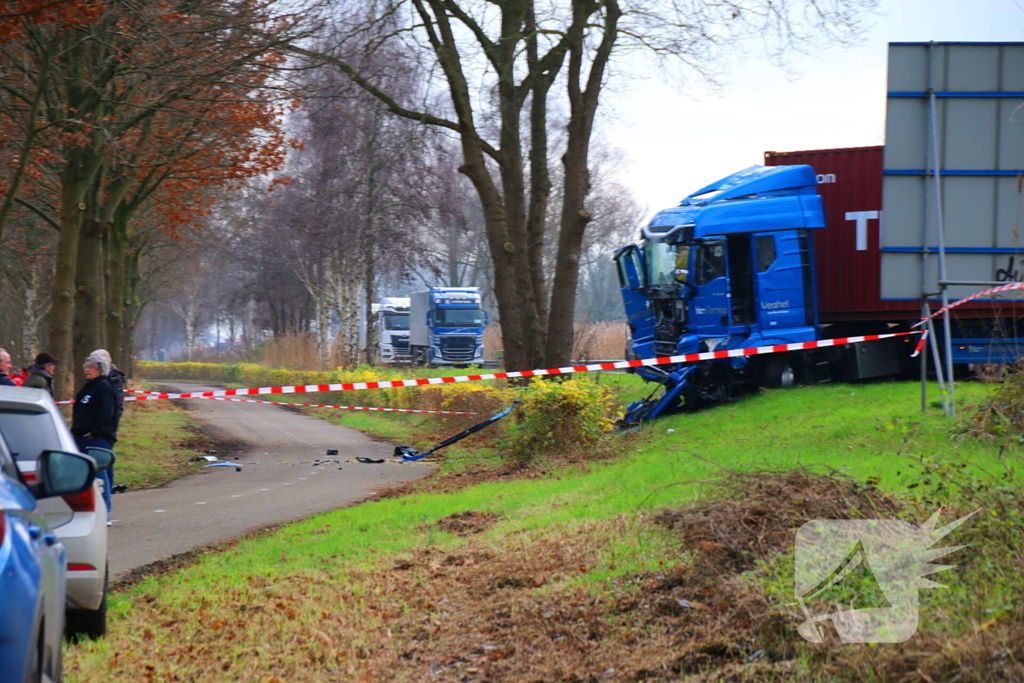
x=65, y=13
x=209, y=119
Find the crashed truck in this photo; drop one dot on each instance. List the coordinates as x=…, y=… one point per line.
x=735, y=265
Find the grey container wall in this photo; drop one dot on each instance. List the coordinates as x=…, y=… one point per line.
x=419, y=330
x=980, y=128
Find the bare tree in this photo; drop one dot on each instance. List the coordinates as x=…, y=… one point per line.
x=499, y=65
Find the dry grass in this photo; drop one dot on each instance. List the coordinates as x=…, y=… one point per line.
x=297, y=352
x=600, y=341
x=595, y=341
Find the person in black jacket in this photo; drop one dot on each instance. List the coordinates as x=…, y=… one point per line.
x=117, y=380
x=94, y=417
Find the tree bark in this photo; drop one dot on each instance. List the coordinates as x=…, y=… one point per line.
x=583, y=103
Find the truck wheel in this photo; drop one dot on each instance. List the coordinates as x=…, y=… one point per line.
x=777, y=374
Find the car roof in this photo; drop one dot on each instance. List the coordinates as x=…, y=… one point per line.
x=23, y=398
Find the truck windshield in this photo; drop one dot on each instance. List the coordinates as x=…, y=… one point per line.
x=661, y=263
x=396, y=321
x=458, y=317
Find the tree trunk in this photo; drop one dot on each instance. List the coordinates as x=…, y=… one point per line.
x=132, y=310
x=89, y=291
x=583, y=107
x=117, y=301
x=80, y=167
x=324, y=342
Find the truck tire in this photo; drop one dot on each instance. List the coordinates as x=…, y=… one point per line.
x=777, y=373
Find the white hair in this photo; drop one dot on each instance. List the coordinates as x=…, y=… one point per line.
x=101, y=363
x=102, y=353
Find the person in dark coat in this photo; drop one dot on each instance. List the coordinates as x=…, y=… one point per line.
x=40, y=375
x=5, y=369
x=94, y=417
x=117, y=380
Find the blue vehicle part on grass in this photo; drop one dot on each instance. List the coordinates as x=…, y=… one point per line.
x=410, y=454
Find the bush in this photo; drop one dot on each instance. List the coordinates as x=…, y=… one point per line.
x=1002, y=415
x=567, y=417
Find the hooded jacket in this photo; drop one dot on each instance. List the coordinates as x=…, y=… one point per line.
x=95, y=411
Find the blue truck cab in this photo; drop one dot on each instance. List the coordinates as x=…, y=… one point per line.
x=731, y=267
x=446, y=326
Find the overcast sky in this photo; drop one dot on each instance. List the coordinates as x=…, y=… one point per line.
x=675, y=145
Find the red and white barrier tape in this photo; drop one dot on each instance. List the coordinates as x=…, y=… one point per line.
x=972, y=297
x=614, y=365
x=314, y=405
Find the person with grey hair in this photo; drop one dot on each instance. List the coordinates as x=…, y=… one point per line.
x=5, y=369
x=94, y=416
x=117, y=380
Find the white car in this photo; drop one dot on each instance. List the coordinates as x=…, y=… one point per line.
x=31, y=423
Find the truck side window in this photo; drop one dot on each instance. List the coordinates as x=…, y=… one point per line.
x=765, y=246
x=710, y=262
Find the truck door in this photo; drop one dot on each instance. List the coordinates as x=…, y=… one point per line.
x=785, y=296
x=629, y=262
x=711, y=303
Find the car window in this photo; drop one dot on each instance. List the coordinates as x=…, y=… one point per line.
x=28, y=433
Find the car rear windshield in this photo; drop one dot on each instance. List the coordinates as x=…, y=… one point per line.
x=28, y=433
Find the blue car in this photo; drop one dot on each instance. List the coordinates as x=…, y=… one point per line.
x=32, y=565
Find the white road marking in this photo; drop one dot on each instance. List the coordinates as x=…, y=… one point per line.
x=264, y=489
x=159, y=510
x=203, y=502
x=236, y=496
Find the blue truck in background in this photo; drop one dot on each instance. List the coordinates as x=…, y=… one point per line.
x=733, y=267
x=446, y=326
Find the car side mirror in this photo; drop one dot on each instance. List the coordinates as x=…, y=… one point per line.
x=104, y=457
x=487, y=318
x=60, y=473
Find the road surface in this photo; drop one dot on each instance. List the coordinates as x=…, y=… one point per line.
x=278, y=482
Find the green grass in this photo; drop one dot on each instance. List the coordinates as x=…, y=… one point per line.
x=155, y=444
x=872, y=431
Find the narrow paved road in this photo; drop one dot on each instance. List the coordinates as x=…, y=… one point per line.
x=278, y=482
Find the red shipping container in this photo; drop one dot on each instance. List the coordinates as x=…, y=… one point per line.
x=848, y=259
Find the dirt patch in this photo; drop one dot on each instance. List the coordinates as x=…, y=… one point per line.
x=468, y=523
x=753, y=515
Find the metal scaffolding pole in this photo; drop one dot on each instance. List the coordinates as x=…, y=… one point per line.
x=949, y=406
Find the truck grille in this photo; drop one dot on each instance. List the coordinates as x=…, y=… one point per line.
x=458, y=349
x=400, y=343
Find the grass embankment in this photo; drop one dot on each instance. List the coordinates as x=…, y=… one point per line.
x=156, y=440
x=563, y=576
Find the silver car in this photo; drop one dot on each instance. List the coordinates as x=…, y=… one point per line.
x=31, y=423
